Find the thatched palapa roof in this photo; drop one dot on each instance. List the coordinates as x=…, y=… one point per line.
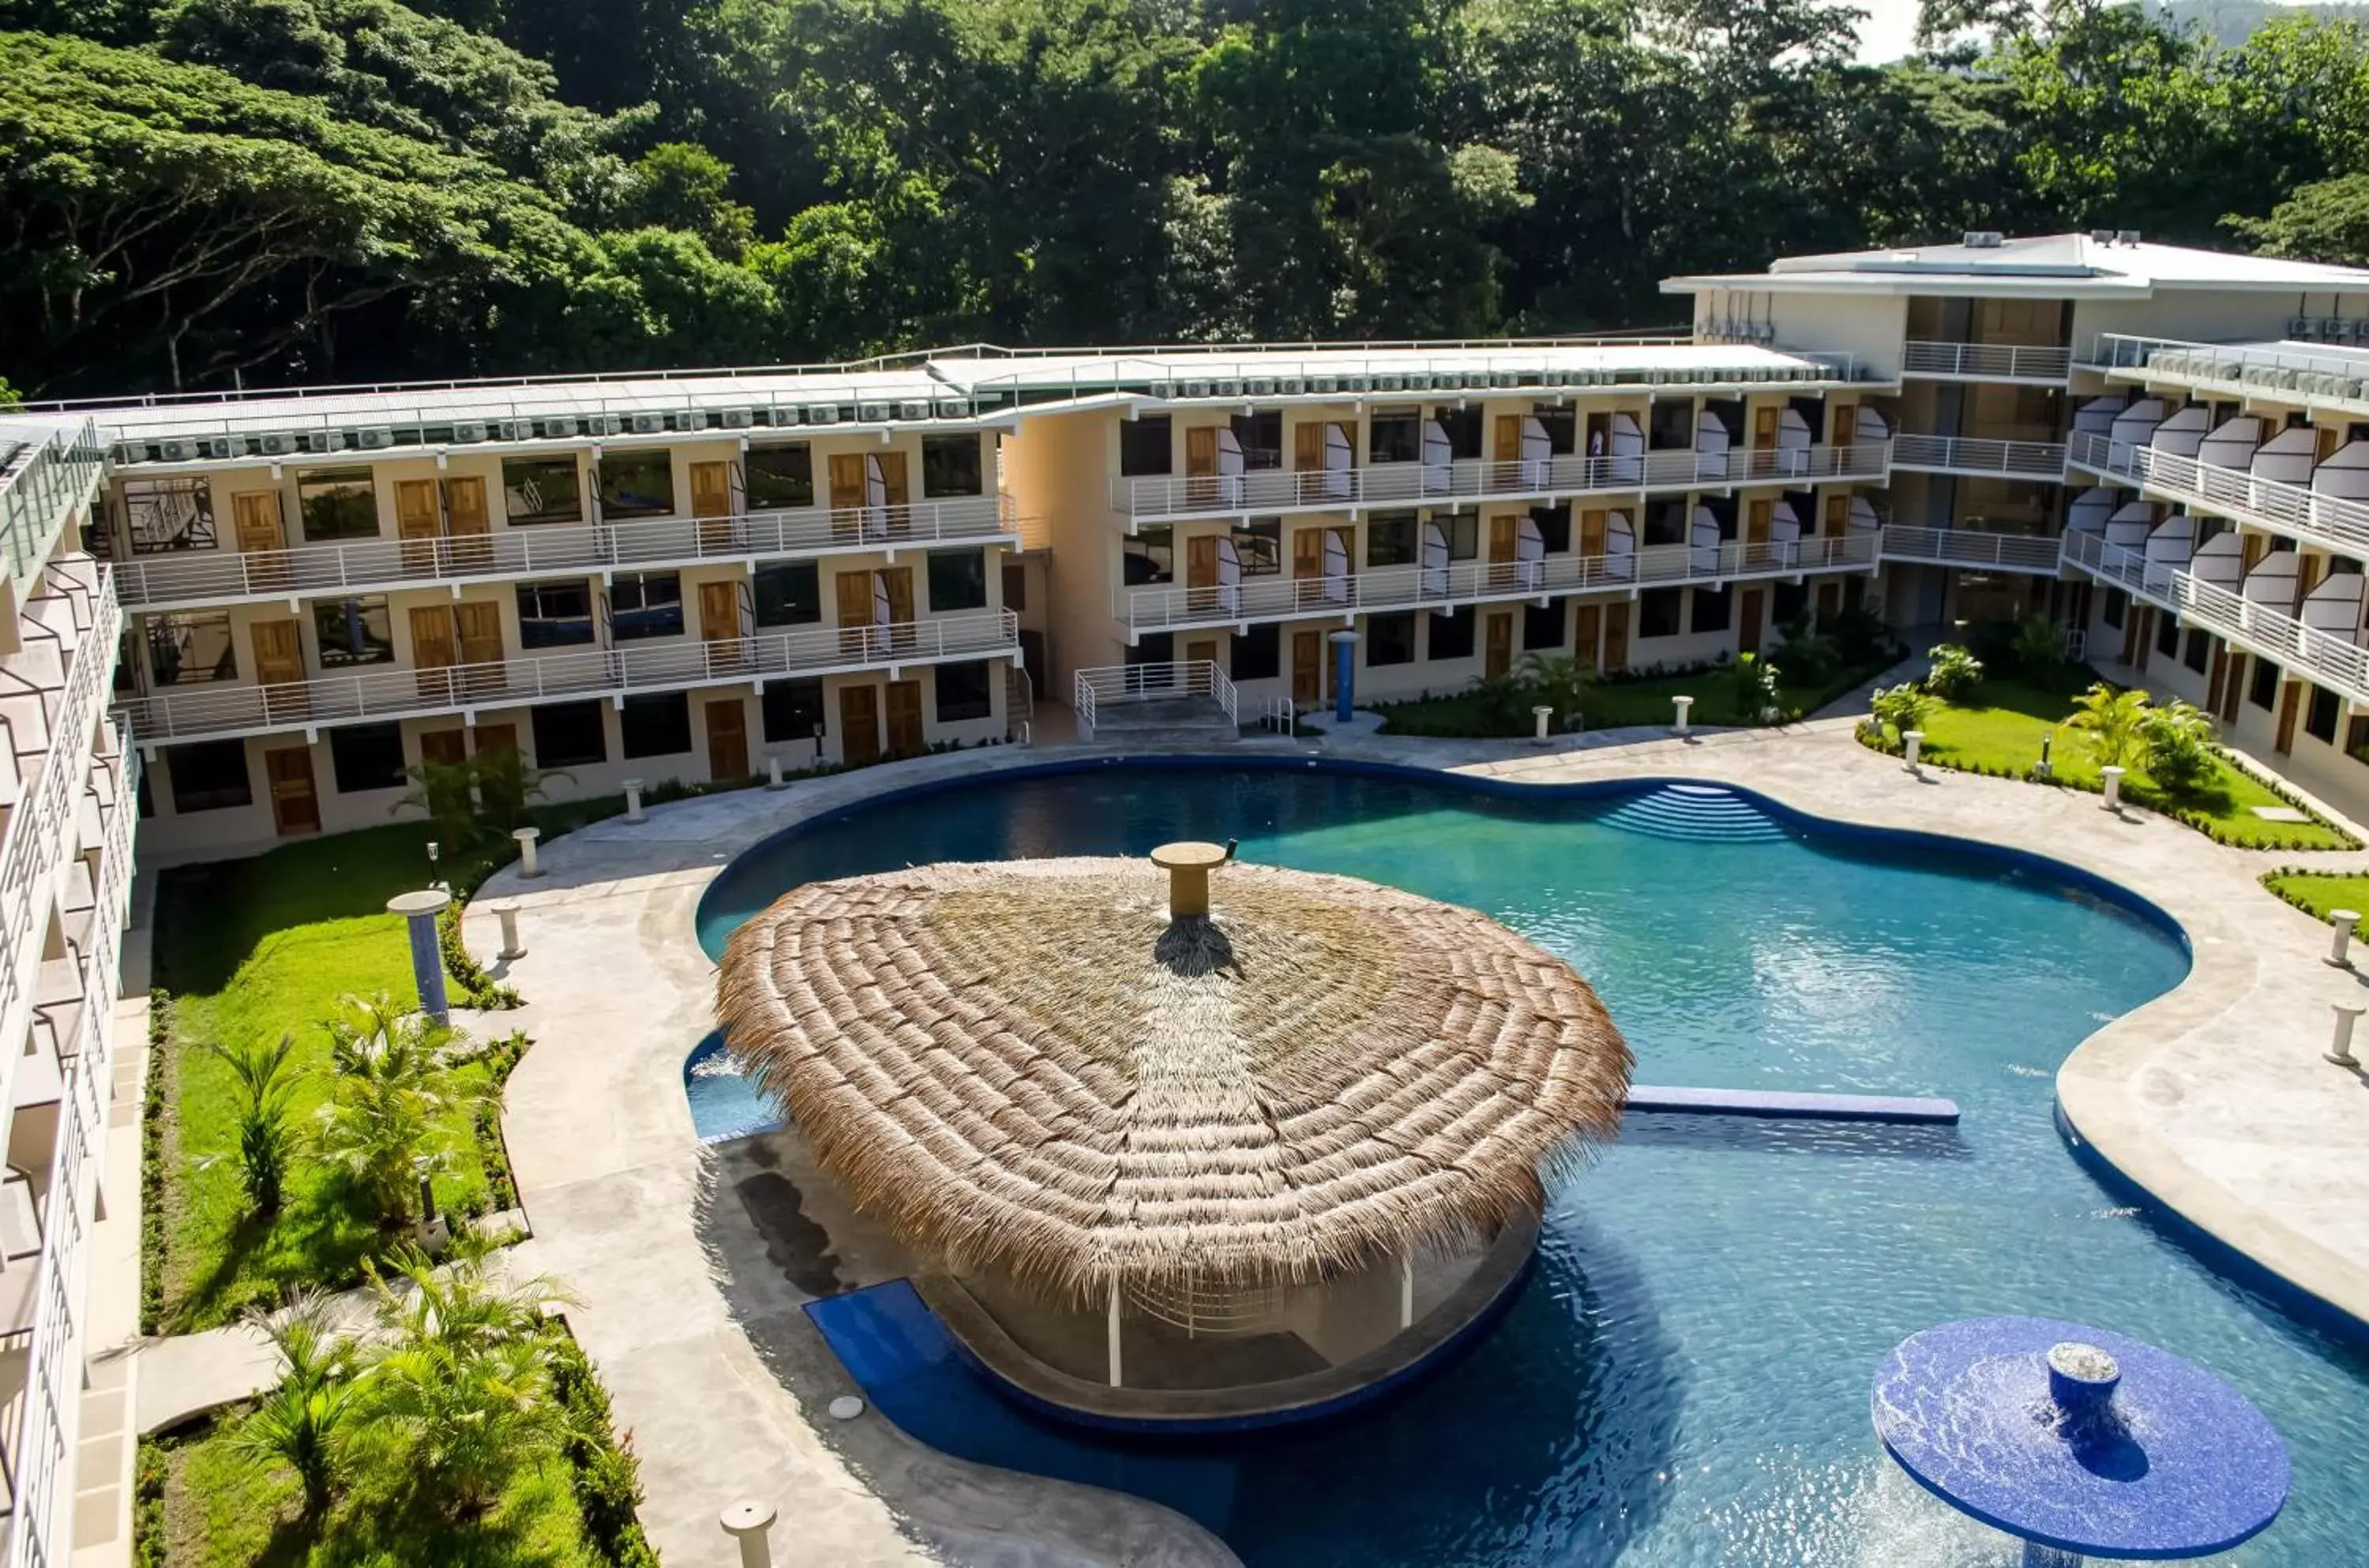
x=1030, y=1068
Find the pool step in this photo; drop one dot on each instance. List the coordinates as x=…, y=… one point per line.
x=1695, y=814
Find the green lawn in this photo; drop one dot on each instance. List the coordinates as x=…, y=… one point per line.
x=2000, y=730
x=1615, y=704
x=2319, y=892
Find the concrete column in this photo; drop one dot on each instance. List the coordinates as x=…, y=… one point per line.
x=773, y=779
x=1406, y=1290
x=634, y=801
x=1543, y=715
x=1686, y=710
x=2340, y=1047
x=1114, y=1335
x=751, y=1524
x=526, y=838
x=2341, y=923
x=507, y=915
x=419, y=911
x=1912, y=741
x=2038, y=1556
x=1345, y=674
x=2113, y=777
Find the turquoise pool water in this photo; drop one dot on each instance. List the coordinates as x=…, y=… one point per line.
x=1683, y=1381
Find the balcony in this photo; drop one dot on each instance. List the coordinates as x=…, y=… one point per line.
x=2035, y=554
x=1475, y=582
x=2297, y=512
x=2333, y=661
x=379, y=565
x=1480, y=479
x=597, y=673
x=2027, y=363
x=48, y=472
x=1980, y=457
x=2286, y=373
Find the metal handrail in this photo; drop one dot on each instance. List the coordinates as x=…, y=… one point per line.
x=1154, y=682
x=1971, y=547
x=56, y=471
x=2227, y=364
x=1981, y=454
x=1986, y=361
x=2297, y=510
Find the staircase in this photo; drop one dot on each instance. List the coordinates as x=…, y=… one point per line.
x=1707, y=814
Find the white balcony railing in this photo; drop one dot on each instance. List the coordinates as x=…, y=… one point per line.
x=655, y=666
x=1113, y=686
x=2297, y=510
x=1986, y=361
x=1421, y=483
x=47, y=472
x=2335, y=662
x=1980, y=454
x=2035, y=553
x=2286, y=372
x=1467, y=582
x=382, y=564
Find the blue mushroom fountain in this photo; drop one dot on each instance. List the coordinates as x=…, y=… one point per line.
x=2080, y=1442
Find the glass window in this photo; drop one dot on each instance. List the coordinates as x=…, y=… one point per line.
x=636, y=484
x=568, y=735
x=2319, y=719
x=1259, y=435
x=1015, y=586
x=950, y=466
x=1256, y=652
x=185, y=648
x=1462, y=428
x=656, y=724
x=2263, y=691
x=555, y=614
x=1149, y=558
x=1544, y=626
x=1562, y=425
x=792, y=711
x=353, y=631
x=161, y=516
x=1394, y=435
x=2111, y=613
x=1259, y=548
x=1451, y=636
x=541, y=489
x=1665, y=524
x=964, y=691
x=2197, y=654
x=1463, y=530
x=1657, y=611
x=1145, y=447
x=1391, y=541
x=2167, y=635
x=645, y=604
x=366, y=756
x=337, y=503
x=1712, y=609
x=780, y=479
x=209, y=776
x=1670, y=427
x=1389, y=639
x=1554, y=528
x=957, y=579
x=788, y=593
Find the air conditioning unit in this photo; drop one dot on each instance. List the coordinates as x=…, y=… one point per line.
x=1361, y=384
x=737, y=418
x=1193, y=389
x=1516, y=378
x=375, y=438
x=223, y=448
x=514, y=429
x=1229, y=389
x=603, y=425
x=1983, y=239
x=2101, y=237
x=786, y=415
x=1262, y=387
x=2332, y=327
x=469, y=431
x=645, y=424
x=2126, y=237
x=1418, y=383
x=1389, y=383
x=1291, y=387
x=2299, y=326
x=323, y=441
x=953, y=408
x=1324, y=385
x=276, y=443
x=822, y=413
x=913, y=410
x=872, y=413
x=176, y=451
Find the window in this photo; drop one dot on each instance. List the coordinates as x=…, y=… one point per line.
x=161, y=516
x=788, y=593
x=964, y=691
x=1462, y=428
x=353, y=631
x=2167, y=635
x=1670, y=427
x=1256, y=653
x=568, y=735
x=337, y=503
x=636, y=484
x=950, y=466
x=1790, y=599
x=555, y=614
x=366, y=756
x=2356, y=736
x=1451, y=636
x=780, y=479
x=209, y=776
x=1261, y=438
x=1463, y=529
x=957, y=579
x=2199, y=651
x=1544, y=624
x=2263, y=691
x=1015, y=586
x=185, y=648
x=1665, y=524
x=1657, y=611
x=1145, y=447
x=792, y=711
x=2320, y=718
x=1391, y=541
x=1554, y=528
x=542, y=489
x=645, y=604
x=1712, y=609
x=1149, y=558
x=656, y=724
x=1259, y=548
x=1562, y=425
x=1389, y=639
x=1394, y=435
x=2111, y=611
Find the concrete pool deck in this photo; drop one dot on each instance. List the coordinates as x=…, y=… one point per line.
x=688, y=1268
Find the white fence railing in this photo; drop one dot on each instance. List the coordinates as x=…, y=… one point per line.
x=46, y=474
x=2334, y=661
x=1416, y=484
x=1986, y=361
x=1980, y=454
x=381, y=564
x=2297, y=510
x=1096, y=690
x=2036, y=554
x=668, y=665
x=1459, y=582
x=2291, y=373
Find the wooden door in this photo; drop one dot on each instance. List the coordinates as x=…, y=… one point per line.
x=1506, y=445
x=859, y=724
x=853, y=597
x=2290, y=703
x=296, y=807
x=434, y=648
x=2220, y=673
x=445, y=747
x=419, y=524
x=898, y=580
x=479, y=623
x=2133, y=632
x=1587, y=632
x=468, y=525
x=1592, y=526
x=1201, y=650
x=1747, y=633
x=1842, y=424
x=496, y=738
x=1502, y=536
x=1838, y=512
x=1201, y=465
x=279, y=653
x=1201, y=562
x=711, y=502
x=1616, y=638
x=2231, y=687
x=728, y=738
x=1830, y=601
x=257, y=517
x=1498, y=633
x=847, y=497
x=1763, y=427
x=1308, y=446
x=719, y=628
x=1308, y=667
x=892, y=477
x=1758, y=519
x=905, y=719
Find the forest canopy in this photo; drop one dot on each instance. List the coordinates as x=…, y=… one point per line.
x=304, y=191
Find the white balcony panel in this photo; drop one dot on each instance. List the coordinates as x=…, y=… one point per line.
x=2182, y=433
x=1979, y=455
x=2232, y=443
x=2286, y=458
x=2172, y=542
x=2098, y=414
x=2345, y=475
x=2220, y=561
x=2334, y=606
x=2132, y=522
x=2333, y=522
x=2271, y=583
x=2088, y=510
x=2138, y=423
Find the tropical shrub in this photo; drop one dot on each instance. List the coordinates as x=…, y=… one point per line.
x=1901, y=708
x=1557, y=680
x=1860, y=635
x=1756, y=696
x=2178, y=744
x=306, y=1422
x=265, y=1142
x=1955, y=673
x=1809, y=650
x=2111, y=722
x=2038, y=647
x=381, y=1125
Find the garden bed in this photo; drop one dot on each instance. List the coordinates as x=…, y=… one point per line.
x=1486, y=713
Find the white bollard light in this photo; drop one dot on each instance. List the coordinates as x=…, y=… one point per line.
x=1912, y=741
x=773, y=779
x=526, y=838
x=2342, y=922
x=633, y=800
x=1542, y=714
x=507, y=915
x=2113, y=777
x=751, y=1524
x=2340, y=1050
x=1685, y=706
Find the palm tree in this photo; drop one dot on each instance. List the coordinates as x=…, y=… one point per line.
x=386, y=1111
x=1559, y=681
x=266, y=1143
x=2113, y=720
x=303, y=1423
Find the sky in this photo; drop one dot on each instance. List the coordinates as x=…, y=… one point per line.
x=1889, y=31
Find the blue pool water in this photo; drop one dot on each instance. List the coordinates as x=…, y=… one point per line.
x=1683, y=1381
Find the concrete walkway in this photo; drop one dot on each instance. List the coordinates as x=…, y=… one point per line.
x=2213, y=1097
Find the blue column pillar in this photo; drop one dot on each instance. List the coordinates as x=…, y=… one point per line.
x=420, y=911
x=1345, y=674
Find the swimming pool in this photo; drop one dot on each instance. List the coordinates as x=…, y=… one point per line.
x=1685, y=1378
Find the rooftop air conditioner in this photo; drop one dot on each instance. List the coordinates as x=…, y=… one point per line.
x=276, y=443
x=1229, y=389
x=690, y=420
x=2102, y=236
x=1264, y=387
x=1291, y=387
x=953, y=408
x=645, y=424
x=513, y=429
x=2332, y=329
x=1193, y=389
x=1389, y=383
x=2299, y=326
x=1983, y=239
x=566, y=426
x=2126, y=237
x=914, y=410
x=468, y=431
x=374, y=438
x=1516, y=378
x=176, y=451
x=1359, y=383
x=1418, y=383
x=822, y=413
x=221, y=448
x=323, y=441
x=737, y=418
x=872, y=413
x=603, y=425
x=784, y=416
x=1324, y=383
